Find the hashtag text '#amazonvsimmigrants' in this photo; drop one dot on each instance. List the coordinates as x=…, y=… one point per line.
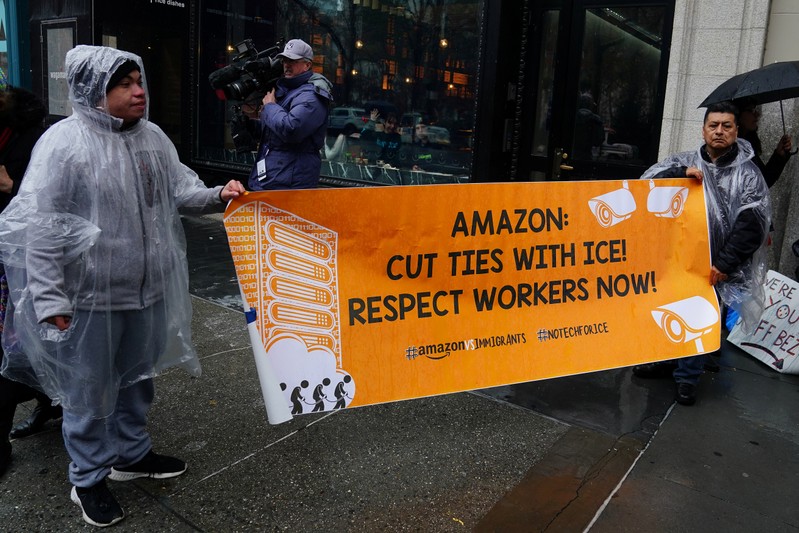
x=436, y=351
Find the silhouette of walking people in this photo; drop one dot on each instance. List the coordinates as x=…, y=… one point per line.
x=341, y=393
x=319, y=396
x=297, y=398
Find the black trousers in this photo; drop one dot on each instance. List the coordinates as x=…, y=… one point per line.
x=13, y=393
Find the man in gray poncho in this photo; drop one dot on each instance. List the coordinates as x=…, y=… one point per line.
x=739, y=215
x=95, y=255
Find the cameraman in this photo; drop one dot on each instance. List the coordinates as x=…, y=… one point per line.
x=293, y=124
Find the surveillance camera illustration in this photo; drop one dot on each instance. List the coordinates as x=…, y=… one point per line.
x=666, y=202
x=613, y=207
x=687, y=320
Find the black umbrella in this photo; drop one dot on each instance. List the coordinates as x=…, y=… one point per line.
x=769, y=83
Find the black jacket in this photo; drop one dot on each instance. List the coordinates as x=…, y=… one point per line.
x=21, y=124
x=776, y=164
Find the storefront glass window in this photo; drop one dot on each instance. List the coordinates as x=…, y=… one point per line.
x=616, y=110
x=409, y=64
x=157, y=35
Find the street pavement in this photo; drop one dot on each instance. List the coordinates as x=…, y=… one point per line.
x=601, y=452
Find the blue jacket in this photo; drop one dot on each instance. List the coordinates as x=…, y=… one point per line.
x=292, y=133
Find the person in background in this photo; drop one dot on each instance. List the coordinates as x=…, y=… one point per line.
x=293, y=123
x=385, y=135
x=21, y=124
x=749, y=123
x=589, y=130
x=98, y=276
x=739, y=214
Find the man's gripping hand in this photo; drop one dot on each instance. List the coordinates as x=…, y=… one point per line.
x=695, y=173
x=233, y=189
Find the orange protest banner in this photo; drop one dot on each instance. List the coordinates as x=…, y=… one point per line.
x=368, y=295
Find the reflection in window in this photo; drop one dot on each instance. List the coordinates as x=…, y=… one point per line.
x=225, y=23
x=408, y=64
x=615, y=118
x=546, y=77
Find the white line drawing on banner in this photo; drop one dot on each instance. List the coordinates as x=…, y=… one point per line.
x=283, y=235
x=302, y=283
x=289, y=283
x=293, y=264
x=309, y=378
x=613, y=207
x=666, y=202
x=302, y=315
x=687, y=320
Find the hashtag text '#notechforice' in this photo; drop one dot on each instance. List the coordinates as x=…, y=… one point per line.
x=567, y=332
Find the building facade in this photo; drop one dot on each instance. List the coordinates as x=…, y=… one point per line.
x=477, y=90
x=713, y=40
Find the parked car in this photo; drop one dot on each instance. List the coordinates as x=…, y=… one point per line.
x=437, y=135
x=617, y=150
x=347, y=119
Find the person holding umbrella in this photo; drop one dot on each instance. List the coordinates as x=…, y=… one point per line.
x=747, y=129
x=770, y=83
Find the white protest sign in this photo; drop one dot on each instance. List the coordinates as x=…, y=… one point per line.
x=775, y=340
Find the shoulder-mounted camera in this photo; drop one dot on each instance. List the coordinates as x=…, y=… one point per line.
x=249, y=72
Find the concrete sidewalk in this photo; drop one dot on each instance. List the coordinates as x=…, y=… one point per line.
x=461, y=462
x=730, y=463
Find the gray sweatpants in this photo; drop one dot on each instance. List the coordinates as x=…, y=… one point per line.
x=120, y=346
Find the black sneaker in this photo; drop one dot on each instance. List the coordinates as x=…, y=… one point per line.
x=99, y=506
x=686, y=394
x=153, y=465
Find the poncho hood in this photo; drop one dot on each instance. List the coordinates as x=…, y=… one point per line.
x=89, y=69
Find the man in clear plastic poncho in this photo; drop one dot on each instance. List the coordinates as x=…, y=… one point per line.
x=95, y=254
x=739, y=215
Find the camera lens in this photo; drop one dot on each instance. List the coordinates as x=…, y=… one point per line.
x=241, y=88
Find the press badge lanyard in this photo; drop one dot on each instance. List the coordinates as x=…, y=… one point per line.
x=260, y=167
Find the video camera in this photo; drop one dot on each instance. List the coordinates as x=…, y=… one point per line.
x=250, y=72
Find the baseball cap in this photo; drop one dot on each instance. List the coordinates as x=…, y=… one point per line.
x=297, y=49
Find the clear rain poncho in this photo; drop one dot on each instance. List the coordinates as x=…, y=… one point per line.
x=95, y=234
x=730, y=190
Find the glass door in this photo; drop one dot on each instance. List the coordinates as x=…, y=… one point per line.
x=593, y=107
x=57, y=37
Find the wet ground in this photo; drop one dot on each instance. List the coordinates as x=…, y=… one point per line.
x=211, y=273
